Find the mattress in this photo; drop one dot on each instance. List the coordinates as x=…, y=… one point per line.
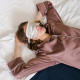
x=13, y=12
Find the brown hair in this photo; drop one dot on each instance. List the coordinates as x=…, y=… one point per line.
x=22, y=36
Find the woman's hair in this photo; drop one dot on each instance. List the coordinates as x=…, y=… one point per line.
x=22, y=36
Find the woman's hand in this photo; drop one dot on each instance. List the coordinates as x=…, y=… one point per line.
x=18, y=48
x=18, y=41
x=38, y=17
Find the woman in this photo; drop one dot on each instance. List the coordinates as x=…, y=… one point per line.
x=56, y=43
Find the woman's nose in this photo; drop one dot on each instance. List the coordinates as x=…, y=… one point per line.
x=37, y=27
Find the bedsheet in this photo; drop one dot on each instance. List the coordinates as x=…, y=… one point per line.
x=13, y=12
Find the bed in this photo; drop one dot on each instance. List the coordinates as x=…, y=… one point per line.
x=13, y=12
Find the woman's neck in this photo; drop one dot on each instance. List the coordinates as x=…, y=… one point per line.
x=45, y=36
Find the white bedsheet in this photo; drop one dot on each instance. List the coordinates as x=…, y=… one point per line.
x=13, y=12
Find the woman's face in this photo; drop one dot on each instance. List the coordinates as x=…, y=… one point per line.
x=41, y=31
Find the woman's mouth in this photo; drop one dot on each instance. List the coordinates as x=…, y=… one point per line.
x=40, y=29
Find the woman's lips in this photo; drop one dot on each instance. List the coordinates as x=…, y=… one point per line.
x=40, y=28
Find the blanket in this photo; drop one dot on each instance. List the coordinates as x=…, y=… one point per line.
x=58, y=72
